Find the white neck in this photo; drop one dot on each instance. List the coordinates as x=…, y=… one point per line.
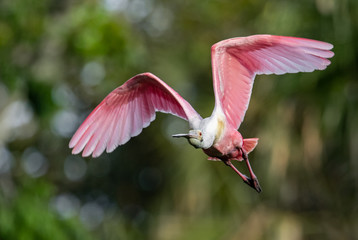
x=212, y=129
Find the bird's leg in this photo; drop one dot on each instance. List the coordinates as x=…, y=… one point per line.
x=243, y=176
x=253, y=180
x=247, y=180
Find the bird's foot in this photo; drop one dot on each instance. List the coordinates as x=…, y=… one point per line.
x=252, y=180
x=254, y=183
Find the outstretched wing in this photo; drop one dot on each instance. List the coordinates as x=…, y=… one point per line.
x=126, y=111
x=236, y=61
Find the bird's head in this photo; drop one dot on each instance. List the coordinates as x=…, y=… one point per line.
x=195, y=138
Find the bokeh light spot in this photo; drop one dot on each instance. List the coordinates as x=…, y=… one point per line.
x=34, y=163
x=75, y=168
x=115, y=5
x=66, y=205
x=91, y=215
x=17, y=114
x=64, y=123
x=92, y=73
x=6, y=160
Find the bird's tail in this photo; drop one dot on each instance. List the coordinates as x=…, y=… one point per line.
x=249, y=144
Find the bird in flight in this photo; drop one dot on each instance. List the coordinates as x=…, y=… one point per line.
x=235, y=63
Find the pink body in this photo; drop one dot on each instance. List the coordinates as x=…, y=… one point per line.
x=229, y=147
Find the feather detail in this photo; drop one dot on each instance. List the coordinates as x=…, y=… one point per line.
x=126, y=111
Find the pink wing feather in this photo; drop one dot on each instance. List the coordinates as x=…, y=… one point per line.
x=126, y=111
x=236, y=61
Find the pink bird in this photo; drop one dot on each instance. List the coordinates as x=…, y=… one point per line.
x=235, y=62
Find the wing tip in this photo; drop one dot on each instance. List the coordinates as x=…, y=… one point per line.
x=87, y=153
x=75, y=151
x=71, y=144
x=74, y=140
x=95, y=154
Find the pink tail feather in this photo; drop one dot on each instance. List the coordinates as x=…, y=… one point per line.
x=249, y=144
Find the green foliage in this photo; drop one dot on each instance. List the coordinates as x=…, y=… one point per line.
x=27, y=215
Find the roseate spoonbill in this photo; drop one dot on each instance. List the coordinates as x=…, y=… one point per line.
x=235, y=62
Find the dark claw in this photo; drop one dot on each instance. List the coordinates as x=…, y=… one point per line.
x=254, y=183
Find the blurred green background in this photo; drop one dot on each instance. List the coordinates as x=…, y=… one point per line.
x=59, y=59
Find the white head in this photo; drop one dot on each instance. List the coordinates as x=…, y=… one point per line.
x=197, y=139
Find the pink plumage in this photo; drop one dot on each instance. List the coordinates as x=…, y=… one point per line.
x=125, y=112
x=235, y=63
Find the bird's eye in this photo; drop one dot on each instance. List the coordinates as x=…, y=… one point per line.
x=201, y=137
